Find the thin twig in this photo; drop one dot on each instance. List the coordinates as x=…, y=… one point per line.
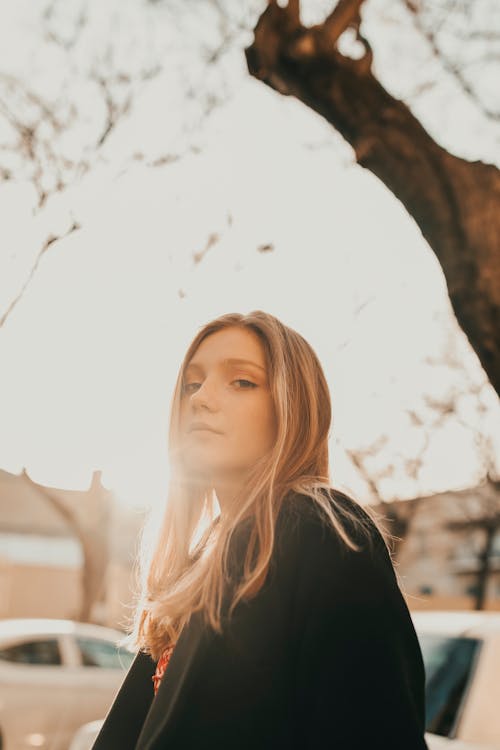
x=48, y=242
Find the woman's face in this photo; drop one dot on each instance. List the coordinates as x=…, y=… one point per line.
x=227, y=417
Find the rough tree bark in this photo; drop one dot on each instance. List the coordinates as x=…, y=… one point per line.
x=456, y=203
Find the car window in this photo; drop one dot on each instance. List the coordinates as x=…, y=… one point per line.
x=44, y=652
x=449, y=663
x=96, y=652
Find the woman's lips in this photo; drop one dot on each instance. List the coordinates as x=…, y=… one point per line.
x=202, y=427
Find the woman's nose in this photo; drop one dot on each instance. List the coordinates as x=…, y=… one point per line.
x=205, y=397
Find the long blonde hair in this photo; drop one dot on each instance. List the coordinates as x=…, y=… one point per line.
x=187, y=570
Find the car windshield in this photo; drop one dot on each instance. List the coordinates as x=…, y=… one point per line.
x=449, y=662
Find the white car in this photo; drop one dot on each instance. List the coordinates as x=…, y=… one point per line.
x=86, y=735
x=461, y=653
x=435, y=742
x=55, y=675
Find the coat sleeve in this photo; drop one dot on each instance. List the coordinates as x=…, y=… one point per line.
x=359, y=671
x=123, y=722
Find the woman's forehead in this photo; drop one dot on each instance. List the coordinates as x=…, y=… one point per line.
x=232, y=346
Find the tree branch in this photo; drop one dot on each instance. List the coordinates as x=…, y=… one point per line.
x=430, y=36
x=454, y=202
x=48, y=243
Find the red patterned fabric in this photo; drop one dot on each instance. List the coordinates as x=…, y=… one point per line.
x=161, y=667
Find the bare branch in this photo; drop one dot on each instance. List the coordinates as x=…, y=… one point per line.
x=294, y=11
x=431, y=37
x=212, y=240
x=70, y=41
x=359, y=456
x=48, y=242
x=346, y=14
x=114, y=108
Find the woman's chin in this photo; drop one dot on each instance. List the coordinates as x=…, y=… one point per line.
x=199, y=467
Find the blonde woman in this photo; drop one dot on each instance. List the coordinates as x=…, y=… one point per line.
x=270, y=615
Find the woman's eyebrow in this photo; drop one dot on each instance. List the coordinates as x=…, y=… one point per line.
x=243, y=362
x=193, y=365
x=227, y=362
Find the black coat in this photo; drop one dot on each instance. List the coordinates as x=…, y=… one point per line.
x=325, y=656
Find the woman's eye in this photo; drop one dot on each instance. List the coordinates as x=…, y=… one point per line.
x=190, y=387
x=244, y=384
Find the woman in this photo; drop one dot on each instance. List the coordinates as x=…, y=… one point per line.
x=270, y=616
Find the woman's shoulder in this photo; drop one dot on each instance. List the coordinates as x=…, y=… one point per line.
x=313, y=555
x=336, y=532
x=336, y=512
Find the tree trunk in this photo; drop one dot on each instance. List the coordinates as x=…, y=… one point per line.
x=94, y=545
x=484, y=569
x=456, y=203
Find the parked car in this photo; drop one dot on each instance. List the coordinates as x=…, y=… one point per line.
x=55, y=675
x=461, y=653
x=437, y=743
x=86, y=735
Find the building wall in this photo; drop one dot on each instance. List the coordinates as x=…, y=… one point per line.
x=40, y=550
x=38, y=591
x=120, y=598
x=41, y=575
x=437, y=564
x=46, y=591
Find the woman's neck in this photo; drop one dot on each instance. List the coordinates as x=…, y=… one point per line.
x=227, y=491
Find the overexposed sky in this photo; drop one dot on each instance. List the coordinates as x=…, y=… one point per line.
x=89, y=355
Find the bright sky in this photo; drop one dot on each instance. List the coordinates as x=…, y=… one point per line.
x=89, y=355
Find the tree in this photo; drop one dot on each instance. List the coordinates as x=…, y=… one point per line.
x=91, y=531
x=455, y=202
x=483, y=516
x=397, y=517
x=468, y=410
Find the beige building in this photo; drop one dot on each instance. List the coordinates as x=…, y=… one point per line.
x=64, y=553
x=439, y=559
x=70, y=554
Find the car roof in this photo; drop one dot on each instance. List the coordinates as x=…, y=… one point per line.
x=37, y=626
x=473, y=624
